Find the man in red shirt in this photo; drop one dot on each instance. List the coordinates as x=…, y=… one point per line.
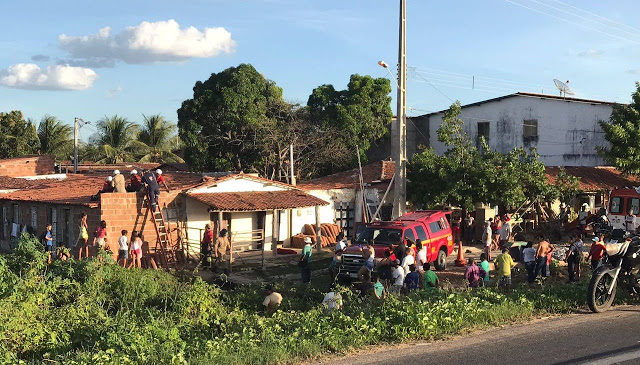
x=205, y=246
x=596, y=253
x=161, y=180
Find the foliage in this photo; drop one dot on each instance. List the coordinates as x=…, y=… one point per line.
x=466, y=174
x=18, y=136
x=622, y=132
x=566, y=186
x=159, y=137
x=55, y=138
x=362, y=113
x=97, y=312
x=116, y=140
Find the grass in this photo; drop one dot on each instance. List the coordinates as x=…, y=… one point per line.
x=88, y=312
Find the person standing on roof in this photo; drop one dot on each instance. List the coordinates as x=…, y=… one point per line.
x=161, y=180
x=135, y=182
x=118, y=183
x=153, y=189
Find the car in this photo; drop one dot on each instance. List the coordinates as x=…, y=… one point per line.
x=430, y=227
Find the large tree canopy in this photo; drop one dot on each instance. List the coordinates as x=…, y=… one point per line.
x=465, y=175
x=362, y=112
x=225, y=123
x=622, y=132
x=18, y=136
x=55, y=138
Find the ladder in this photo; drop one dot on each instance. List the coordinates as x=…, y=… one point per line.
x=164, y=244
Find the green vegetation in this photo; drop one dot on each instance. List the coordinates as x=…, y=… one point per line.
x=87, y=312
x=467, y=173
x=18, y=137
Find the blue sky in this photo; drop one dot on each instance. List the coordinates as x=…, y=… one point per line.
x=508, y=45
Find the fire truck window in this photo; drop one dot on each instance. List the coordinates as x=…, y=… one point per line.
x=408, y=235
x=434, y=227
x=616, y=205
x=422, y=235
x=634, y=205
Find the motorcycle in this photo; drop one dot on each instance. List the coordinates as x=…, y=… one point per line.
x=621, y=267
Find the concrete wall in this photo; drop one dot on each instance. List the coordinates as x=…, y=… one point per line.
x=568, y=131
x=27, y=166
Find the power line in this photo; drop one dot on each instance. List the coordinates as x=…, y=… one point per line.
x=599, y=16
x=438, y=90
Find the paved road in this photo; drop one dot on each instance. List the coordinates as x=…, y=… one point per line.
x=599, y=339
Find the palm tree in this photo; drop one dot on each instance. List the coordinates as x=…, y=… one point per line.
x=55, y=137
x=116, y=140
x=159, y=137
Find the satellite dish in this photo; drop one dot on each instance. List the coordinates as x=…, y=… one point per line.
x=563, y=87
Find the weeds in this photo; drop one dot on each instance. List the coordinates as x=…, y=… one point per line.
x=92, y=312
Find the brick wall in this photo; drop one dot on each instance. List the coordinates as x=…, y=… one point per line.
x=27, y=166
x=125, y=211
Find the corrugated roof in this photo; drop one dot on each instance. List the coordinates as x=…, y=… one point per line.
x=594, y=179
x=526, y=94
x=257, y=200
x=373, y=173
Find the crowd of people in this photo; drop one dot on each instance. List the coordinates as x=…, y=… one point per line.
x=147, y=181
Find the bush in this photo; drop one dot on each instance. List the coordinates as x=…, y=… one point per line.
x=99, y=313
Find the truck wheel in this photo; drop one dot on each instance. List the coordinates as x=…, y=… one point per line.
x=441, y=261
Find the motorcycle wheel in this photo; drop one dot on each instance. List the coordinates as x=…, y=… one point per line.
x=598, y=296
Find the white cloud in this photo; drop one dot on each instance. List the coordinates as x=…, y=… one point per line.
x=590, y=53
x=57, y=77
x=149, y=42
x=93, y=62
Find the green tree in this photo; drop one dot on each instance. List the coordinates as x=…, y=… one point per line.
x=465, y=175
x=622, y=131
x=18, y=137
x=55, y=138
x=223, y=126
x=361, y=113
x=159, y=137
x=116, y=141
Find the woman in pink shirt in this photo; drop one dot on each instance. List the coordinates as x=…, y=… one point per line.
x=100, y=237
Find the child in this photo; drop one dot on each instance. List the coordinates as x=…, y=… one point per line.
x=430, y=278
x=123, y=251
x=504, y=263
x=378, y=288
x=48, y=238
x=484, y=265
x=136, y=249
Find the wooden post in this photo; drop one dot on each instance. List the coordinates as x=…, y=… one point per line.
x=275, y=231
x=318, y=233
x=289, y=224
x=264, y=236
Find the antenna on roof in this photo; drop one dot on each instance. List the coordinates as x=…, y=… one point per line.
x=563, y=87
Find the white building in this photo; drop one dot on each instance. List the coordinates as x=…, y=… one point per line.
x=564, y=130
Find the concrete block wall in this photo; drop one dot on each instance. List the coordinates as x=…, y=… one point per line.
x=27, y=166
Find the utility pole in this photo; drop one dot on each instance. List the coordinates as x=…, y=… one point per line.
x=400, y=153
x=75, y=145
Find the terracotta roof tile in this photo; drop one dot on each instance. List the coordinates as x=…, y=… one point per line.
x=257, y=200
x=373, y=173
x=77, y=189
x=594, y=179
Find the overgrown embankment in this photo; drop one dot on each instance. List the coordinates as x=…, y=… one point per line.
x=92, y=312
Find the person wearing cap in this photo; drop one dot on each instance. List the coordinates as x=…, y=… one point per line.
x=107, y=187
x=161, y=180
x=596, y=253
x=118, y=182
x=135, y=182
x=305, y=261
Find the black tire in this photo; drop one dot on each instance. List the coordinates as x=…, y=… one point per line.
x=597, y=295
x=441, y=261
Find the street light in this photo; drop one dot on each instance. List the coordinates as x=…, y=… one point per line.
x=384, y=65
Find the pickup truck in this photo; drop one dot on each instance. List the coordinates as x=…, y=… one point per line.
x=431, y=227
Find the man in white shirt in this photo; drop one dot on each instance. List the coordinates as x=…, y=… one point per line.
x=332, y=300
x=486, y=239
x=630, y=222
x=505, y=231
x=529, y=258
x=342, y=242
x=408, y=260
x=272, y=300
x=582, y=217
x=397, y=276
x=421, y=257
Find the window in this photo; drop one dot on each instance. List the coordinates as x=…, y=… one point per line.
x=530, y=130
x=409, y=235
x=434, y=227
x=616, y=205
x=483, y=131
x=422, y=235
x=633, y=205
x=378, y=235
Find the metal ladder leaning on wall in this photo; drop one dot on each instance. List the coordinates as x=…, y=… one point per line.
x=164, y=244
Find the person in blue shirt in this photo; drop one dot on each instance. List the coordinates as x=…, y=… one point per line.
x=412, y=280
x=48, y=238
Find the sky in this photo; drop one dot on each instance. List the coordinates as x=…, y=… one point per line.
x=91, y=59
